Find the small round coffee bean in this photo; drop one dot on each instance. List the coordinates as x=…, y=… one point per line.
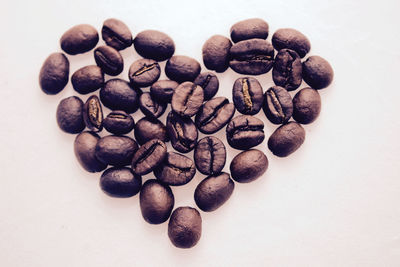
x=278, y=105
x=244, y=132
x=182, y=132
x=248, y=165
x=116, y=34
x=249, y=29
x=70, y=115
x=287, y=69
x=292, y=39
x=79, y=39
x=117, y=94
x=247, y=95
x=187, y=99
x=93, y=114
x=317, y=72
x=87, y=79
x=148, y=128
x=109, y=60
x=116, y=150
x=151, y=107
x=184, y=227
x=144, y=72
x=154, y=45
x=286, y=139
x=149, y=156
x=53, y=76
x=175, y=170
x=163, y=90
x=210, y=155
x=120, y=182
x=84, y=149
x=119, y=122
x=182, y=69
x=306, y=105
x=209, y=82
x=216, y=53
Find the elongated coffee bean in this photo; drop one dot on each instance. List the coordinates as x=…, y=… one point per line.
x=79, y=39
x=210, y=155
x=116, y=34
x=154, y=45
x=216, y=53
x=70, y=115
x=286, y=139
x=292, y=39
x=87, y=79
x=93, y=114
x=244, y=132
x=278, y=105
x=287, y=69
x=209, y=82
x=247, y=95
x=149, y=156
x=116, y=150
x=249, y=29
x=184, y=227
x=163, y=90
x=182, y=68
x=317, y=72
x=144, y=72
x=151, y=107
x=182, y=132
x=54, y=73
x=248, y=165
x=175, y=170
x=148, y=128
x=306, y=105
x=120, y=182
x=187, y=99
x=84, y=149
x=119, y=122
x=109, y=60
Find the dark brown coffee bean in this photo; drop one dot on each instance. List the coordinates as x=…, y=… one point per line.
x=79, y=39
x=116, y=34
x=87, y=79
x=210, y=155
x=154, y=45
x=116, y=150
x=151, y=107
x=144, y=72
x=53, y=76
x=84, y=149
x=119, y=122
x=244, y=132
x=247, y=95
x=287, y=69
x=149, y=156
x=163, y=90
x=182, y=69
x=109, y=60
x=292, y=39
x=176, y=170
x=117, y=94
x=306, y=105
x=70, y=115
x=209, y=82
x=184, y=227
x=187, y=99
x=286, y=139
x=93, y=114
x=216, y=53
x=249, y=29
x=248, y=165
x=278, y=105
x=150, y=128
x=120, y=182
x=317, y=72
x=213, y=191
x=182, y=132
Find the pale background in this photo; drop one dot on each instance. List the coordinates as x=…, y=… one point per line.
x=335, y=202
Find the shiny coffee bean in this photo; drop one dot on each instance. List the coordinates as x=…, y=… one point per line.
x=109, y=60
x=292, y=39
x=151, y=107
x=148, y=128
x=278, y=105
x=70, y=115
x=182, y=69
x=249, y=29
x=252, y=57
x=187, y=99
x=163, y=90
x=156, y=201
x=306, y=105
x=118, y=122
x=154, y=45
x=210, y=155
x=53, y=76
x=248, y=165
x=182, y=132
x=116, y=34
x=216, y=53
x=84, y=149
x=79, y=39
x=117, y=94
x=144, y=72
x=244, y=132
x=247, y=95
x=93, y=114
x=184, y=227
x=287, y=69
x=175, y=170
x=149, y=156
x=209, y=82
x=116, y=150
x=87, y=79
x=286, y=139
x=213, y=191
x=120, y=182
x=214, y=114
x=317, y=72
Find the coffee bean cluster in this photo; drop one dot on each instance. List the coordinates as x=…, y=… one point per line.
x=194, y=107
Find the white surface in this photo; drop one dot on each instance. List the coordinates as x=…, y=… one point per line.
x=335, y=202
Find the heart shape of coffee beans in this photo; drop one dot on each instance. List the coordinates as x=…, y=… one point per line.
x=190, y=93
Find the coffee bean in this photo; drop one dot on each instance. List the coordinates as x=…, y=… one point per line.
x=175, y=170
x=209, y=82
x=248, y=165
x=53, y=76
x=247, y=95
x=70, y=115
x=120, y=182
x=249, y=29
x=163, y=90
x=213, y=191
x=216, y=53
x=182, y=69
x=292, y=39
x=306, y=105
x=116, y=150
x=317, y=72
x=214, y=114
x=109, y=60
x=182, y=132
x=287, y=69
x=119, y=122
x=151, y=107
x=278, y=105
x=149, y=156
x=117, y=94
x=79, y=39
x=87, y=79
x=84, y=149
x=184, y=227
x=210, y=155
x=150, y=128
x=154, y=45
x=286, y=139
x=144, y=72
x=156, y=201
x=244, y=132
x=252, y=57
x=187, y=99
x=93, y=114
x=116, y=34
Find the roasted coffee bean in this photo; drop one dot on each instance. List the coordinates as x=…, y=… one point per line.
x=151, y=107
x=184, y=227
x=150, y=128
x=120, y=182
x=182, y=69
x=144, y=72
x=287, y=69
x=109, y=60
x=247, y=95
x=156, y=201
x=210, y=155
x=216, y=53
x=53, y=76
x=187, y=99
x=244, y=132
x=154, y=45
x=317, y=72
x=116, y=34
x=214, y=114
x=209, y=82
x=87, y=79
x=116, y=150
x=119, y=122
x=163, y=90
x=70, y=115
x=182, y=132
x=278, y=105
x=252, y=57
x=93, y=114
x=249, y=29
x=79, y=39
x=117, y=94
x=248, y=165
x=84, y=149
x=306, y=105
x=292, y=39
x=176, y=169
x=286, y=139
x=213, y=191
x=149, y=156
